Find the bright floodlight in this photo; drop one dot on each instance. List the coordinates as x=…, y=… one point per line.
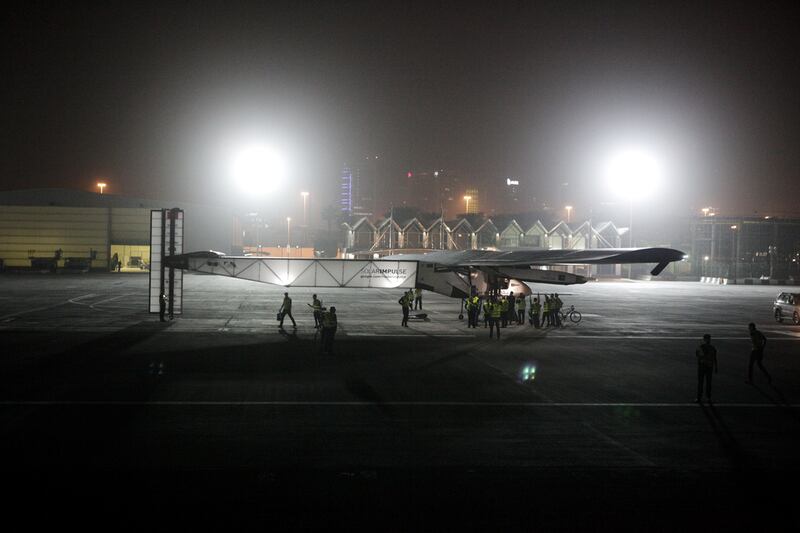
x=258, y=170
x=633, y=173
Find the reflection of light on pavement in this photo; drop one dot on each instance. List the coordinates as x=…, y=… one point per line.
x=528, y=372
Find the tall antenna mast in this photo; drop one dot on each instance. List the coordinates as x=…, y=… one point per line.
x=441, y=226
x=391, y=221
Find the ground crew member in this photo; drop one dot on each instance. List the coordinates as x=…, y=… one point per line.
x=495, y=314
x=316, y=306
x=486, y=313
x=329, y=326
x=286, y=309
x=557, y=314
x=162, y=307
x=534, y=312
x=504, y=311
x=406, y=304
x=546, y=312
x=521, y=310
x=706, y=366
x=757, y=353
x=475, y=310
x=512, y=308
x=417, y=298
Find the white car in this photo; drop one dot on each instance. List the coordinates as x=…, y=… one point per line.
x=787, y=307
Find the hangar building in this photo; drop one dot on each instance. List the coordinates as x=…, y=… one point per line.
x=68, y=228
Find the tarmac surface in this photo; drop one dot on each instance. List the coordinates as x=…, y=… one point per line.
x=219, y=417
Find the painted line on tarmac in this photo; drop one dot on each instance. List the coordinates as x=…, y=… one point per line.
x=662, y=337
x=426, y=335
x=77, y=299
x=789, y=333
x=200, y=403
x=45, y=308
x=92, y=306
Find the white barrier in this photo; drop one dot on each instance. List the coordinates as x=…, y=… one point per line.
x=714, y=281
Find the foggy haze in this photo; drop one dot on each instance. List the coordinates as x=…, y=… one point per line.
x=152, y=98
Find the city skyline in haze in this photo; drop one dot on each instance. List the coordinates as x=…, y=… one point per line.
x=151, y=98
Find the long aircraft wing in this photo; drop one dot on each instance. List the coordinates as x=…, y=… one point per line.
x=533, y=258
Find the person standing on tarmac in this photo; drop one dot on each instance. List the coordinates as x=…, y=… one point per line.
x=546, y=312
x=470, y=303
x=162, y=307
x=521, y=311
x=493, y=312
x=535, y=312
x=486, y=313
x=329, y=326
x=557, y=314
x=706, y=367
x=406, y=304
x=757, y=353
x=316, y=306
x=495, y=316
x=286, y=309
x=512, y=308
x=417, y=298
x=503, y=311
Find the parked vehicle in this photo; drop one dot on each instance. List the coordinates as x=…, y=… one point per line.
x=787, y=307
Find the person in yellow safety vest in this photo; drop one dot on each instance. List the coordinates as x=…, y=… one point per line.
x=534, y=312
x=546, y=312
x=504, y=311
x=521, y=310
x=486, y=313
x=474, y=310
x=405, y=302
x=316, y=306
x=496, y=312
x=329, y=325
x=417, y=298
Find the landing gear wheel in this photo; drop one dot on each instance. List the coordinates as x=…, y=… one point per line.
x=778, y=317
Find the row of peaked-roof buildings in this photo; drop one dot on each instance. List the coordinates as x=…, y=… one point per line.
x=476, y=233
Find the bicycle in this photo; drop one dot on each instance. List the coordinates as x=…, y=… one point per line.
x=572, y=315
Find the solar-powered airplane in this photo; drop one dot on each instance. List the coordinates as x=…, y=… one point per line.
x=451, y=273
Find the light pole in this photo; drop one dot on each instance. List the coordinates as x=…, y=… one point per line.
x=304, y=194
x=467, y=199
x=705, y=262
x=734, y=253
x=569, y=212
x=288, y=236
x=634, y=173
x=101, y=185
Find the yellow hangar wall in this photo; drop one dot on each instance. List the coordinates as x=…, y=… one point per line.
x=38, y=231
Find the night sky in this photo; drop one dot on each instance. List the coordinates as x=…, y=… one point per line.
x=151, y=96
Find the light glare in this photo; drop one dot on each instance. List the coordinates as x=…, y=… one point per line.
x=258, y=170
x=634, y=173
